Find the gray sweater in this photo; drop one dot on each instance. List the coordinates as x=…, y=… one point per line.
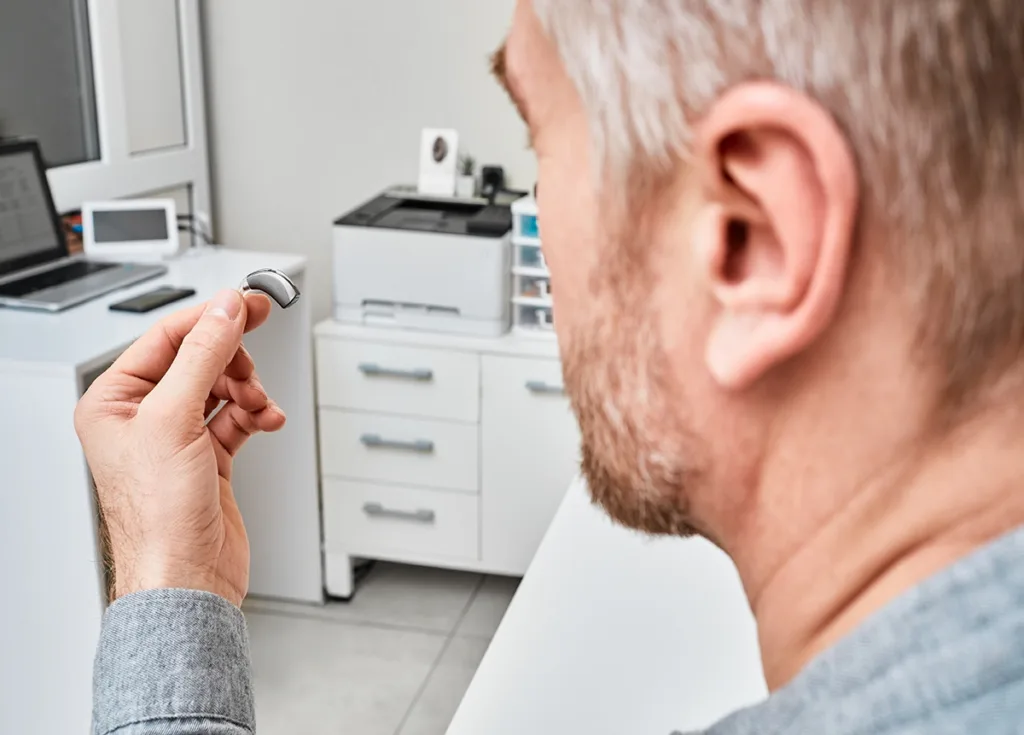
x=173, y=662
x=947, y=657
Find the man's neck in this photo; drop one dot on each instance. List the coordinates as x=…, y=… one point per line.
x=923, y=508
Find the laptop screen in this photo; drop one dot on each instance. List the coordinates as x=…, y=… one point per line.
x=26, y=224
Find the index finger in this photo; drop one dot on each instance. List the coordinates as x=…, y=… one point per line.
x=150, y=356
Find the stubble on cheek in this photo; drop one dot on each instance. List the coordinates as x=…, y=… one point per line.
x=639, y=461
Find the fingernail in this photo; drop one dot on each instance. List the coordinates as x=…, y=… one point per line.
x=227, y=304
x=256, y=296
x=277, y=409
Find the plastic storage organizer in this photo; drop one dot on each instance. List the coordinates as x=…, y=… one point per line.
x=531, y=288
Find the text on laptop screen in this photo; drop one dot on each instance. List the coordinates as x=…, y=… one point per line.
x=25, y=224
x=129, y=225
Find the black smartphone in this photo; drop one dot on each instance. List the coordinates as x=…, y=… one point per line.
x=153, y=299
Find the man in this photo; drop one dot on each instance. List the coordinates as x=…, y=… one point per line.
x=790, y=304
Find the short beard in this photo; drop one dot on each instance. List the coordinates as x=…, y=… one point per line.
x=654, y=514
x=640, y=463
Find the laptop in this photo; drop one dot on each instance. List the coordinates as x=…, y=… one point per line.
x=36, y=270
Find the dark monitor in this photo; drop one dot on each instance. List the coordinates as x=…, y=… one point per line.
x=30, y=230
x=112, y=226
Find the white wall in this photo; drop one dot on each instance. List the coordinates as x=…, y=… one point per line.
x=316, y=105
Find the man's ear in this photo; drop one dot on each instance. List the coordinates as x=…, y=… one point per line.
x=776, y=229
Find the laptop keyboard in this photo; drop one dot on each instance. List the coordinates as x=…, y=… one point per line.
x=56, y=277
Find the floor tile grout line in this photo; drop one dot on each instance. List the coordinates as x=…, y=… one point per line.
x=394, y=627
x=437, y=661
x=469, y=603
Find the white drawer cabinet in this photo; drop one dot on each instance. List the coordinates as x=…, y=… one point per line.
x=530, y=451
x=439, y=449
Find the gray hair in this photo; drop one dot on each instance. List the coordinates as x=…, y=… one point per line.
x=929, y=92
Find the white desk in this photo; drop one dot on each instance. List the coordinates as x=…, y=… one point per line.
x=52, y=599
x=611, y=633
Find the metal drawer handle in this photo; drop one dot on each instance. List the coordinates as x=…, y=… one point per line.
x=539, y=387
x=374, y=441
x=376, y=510
x=372, y=370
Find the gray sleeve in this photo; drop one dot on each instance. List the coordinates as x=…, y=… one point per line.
x=173, y=662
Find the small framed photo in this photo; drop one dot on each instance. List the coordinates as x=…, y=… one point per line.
x=439, y=157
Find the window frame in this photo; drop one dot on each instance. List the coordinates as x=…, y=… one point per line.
x=118, y=173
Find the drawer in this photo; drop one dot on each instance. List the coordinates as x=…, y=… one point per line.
x=403, y=451
x=408, y=381
x=393, y=521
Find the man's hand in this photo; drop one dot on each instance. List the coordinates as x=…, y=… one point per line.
x=162, y=466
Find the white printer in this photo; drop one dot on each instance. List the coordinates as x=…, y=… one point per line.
x=426, y=263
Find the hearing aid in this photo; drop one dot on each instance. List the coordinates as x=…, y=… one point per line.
x=274, y=284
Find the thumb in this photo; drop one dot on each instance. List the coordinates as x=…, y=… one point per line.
x=204, y=354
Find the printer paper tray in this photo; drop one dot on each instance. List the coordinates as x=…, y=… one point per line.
x=427, y=319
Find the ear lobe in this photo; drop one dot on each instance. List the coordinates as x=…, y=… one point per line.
x=777, y=233
x=744, y=345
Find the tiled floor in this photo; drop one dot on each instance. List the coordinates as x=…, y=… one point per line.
x=394, y=661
